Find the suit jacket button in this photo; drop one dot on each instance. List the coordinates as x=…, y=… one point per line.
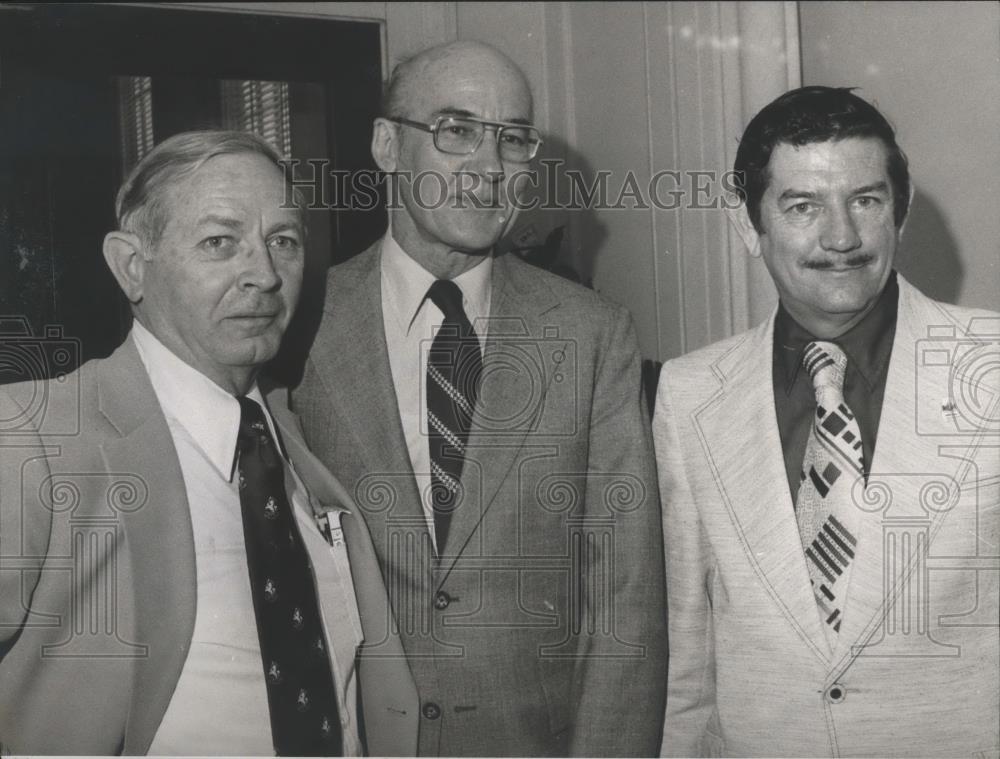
x=430, y=710
x=835, y=693
x=441, y=600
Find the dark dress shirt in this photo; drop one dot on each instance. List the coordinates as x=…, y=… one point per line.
x=868, y=345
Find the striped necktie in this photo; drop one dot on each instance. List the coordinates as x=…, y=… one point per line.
x=826, y=514
x=454, y=366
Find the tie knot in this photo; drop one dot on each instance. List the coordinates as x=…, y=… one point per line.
x=826, y=364
x=252, y=422
x=447, y=296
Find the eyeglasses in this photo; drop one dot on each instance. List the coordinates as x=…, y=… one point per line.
x=462, y=135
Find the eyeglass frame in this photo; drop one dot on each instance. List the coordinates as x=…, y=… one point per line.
x=498, y=125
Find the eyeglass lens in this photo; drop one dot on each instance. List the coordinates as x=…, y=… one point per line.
x=463, y=136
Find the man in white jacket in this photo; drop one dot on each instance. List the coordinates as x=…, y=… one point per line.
x=829, y=478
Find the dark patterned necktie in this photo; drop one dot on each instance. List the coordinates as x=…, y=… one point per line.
x=300, y=692
x=454, y=366
x=824, y=508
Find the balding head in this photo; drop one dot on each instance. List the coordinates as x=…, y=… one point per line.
x=416, y=74
x=456, y=204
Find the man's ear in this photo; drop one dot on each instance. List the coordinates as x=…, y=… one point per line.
x=385, y=145
x=740, y=220
x=124, y=253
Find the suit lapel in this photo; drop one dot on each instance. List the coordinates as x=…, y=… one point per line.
x=157, y=534
x=387, y=690
x=898, y=475
x=752, y=481
x=516, y=374
x=355, y=352
x=318, y=479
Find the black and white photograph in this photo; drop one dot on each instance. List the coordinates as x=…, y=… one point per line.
x=480, y=379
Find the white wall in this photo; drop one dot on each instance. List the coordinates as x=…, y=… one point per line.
x=934, y=70
x=646, y=86
x=636, y=89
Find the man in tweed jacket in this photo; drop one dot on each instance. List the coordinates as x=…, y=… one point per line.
x=535, y=625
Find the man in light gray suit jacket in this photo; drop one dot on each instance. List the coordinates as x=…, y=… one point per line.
x=874, y=632
x=131, y=619
x=509, y=488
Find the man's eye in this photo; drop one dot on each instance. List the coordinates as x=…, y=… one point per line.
x=218, y=242
x=516, y=138
x=866, y=201
x=283, y=242
x=801, y=209
x=460, y=130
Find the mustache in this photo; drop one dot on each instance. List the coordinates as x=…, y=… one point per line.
x=860, y=259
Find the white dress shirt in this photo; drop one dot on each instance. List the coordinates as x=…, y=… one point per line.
x=411, y=320
x=219, y=705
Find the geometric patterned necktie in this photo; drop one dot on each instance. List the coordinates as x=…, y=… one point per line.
x=454, y=366
x=824, y=508
x=301, y=697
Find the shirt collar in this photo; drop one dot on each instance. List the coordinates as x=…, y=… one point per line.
x=867, y=344
x=405, y=284
x=209, y=414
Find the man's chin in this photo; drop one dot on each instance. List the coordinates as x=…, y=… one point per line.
x=478, y=230
x=850, y=304
x=476, y=252
x=477, y=242
x=252, y=351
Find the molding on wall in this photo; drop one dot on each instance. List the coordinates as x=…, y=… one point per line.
x=766, y=64
x=672, y=93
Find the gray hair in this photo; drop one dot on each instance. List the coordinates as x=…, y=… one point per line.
x=139, y=204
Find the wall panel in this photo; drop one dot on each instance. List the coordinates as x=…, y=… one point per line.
x=934, y=69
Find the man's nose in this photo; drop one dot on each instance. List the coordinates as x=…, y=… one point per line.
x=486, y=159
x=840, y=231
x=260, y=271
